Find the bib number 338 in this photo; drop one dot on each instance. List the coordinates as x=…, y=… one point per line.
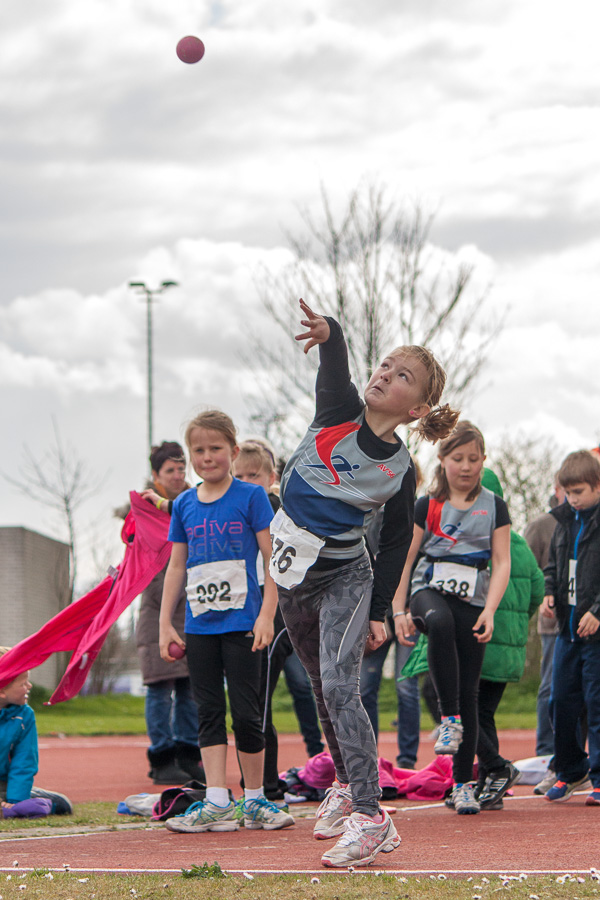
x=454, y=578
x=294, y=551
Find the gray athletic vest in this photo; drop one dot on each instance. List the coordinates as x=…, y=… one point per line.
x=331, y=487
x=458, y=535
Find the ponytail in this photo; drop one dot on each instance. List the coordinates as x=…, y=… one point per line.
x=437, y=424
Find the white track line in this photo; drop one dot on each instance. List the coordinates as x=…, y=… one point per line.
x=367, y=870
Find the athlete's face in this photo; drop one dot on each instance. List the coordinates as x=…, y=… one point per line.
x=463, y=467
x=397, y=387
x=211, y=454
x=171, y=476
x=582, y=495
x=16, y=692
x=248, y=469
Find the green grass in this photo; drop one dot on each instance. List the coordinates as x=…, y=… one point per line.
x=207, y=883
x=123, y=714
x=95, y=714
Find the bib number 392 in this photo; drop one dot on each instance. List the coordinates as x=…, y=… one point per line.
x=217, y=587
x=294, y=551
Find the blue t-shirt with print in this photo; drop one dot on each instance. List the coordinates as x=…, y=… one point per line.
x=222, y=587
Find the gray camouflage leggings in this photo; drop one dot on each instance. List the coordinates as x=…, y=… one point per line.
x=316, y=613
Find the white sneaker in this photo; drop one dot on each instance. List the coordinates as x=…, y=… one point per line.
x=449, y=738
x=205, y=816
x=260, y=813
x=336, y=807
x=361, y=841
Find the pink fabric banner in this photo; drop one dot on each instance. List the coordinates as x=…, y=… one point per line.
x=83, y=625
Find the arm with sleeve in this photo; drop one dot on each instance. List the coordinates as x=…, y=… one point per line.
x=394, y=542
x=337, y=398
x=550, y=580
x=22, y=750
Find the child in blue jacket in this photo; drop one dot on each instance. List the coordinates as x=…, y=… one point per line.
x=19, y=756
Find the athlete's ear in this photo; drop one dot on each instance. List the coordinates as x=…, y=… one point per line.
x=419, y=411
x=235, y=452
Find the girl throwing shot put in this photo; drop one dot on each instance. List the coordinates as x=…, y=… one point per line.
x=349, y=463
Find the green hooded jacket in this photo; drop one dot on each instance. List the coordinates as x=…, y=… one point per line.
x=504, y=658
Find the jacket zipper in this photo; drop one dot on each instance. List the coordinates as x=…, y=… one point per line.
x=579, y=518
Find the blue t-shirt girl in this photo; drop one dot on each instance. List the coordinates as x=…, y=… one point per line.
x=217, y=530
x=222, y=586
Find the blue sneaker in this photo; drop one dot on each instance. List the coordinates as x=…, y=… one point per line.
x=562, y=790
x=593, y=799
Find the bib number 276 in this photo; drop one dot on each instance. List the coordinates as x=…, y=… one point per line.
x=283, y=555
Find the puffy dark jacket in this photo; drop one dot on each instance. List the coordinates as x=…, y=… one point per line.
x=556, y=573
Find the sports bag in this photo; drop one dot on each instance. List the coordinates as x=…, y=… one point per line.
x=174, y=801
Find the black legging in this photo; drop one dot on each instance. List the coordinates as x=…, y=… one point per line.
x=455, y=658
x=488, y=747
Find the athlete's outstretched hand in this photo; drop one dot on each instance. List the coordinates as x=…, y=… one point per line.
x=318, y=329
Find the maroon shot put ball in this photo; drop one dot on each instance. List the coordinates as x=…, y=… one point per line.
x=190, y=49
x=175, y=650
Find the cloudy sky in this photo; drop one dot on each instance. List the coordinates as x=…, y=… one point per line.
x=121, y=163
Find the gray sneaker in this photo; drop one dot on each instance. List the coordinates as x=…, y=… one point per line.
x=463, y=797
x=449, y=739
x=361, y=841
x=336, y=807
x=548, y=781
x=205, y=816
x=260, y=813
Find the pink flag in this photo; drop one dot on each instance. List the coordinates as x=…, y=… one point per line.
x=83, y=626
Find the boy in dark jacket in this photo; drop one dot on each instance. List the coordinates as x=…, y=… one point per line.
x=572, y=578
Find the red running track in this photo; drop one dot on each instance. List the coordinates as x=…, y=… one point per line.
x=529, y=835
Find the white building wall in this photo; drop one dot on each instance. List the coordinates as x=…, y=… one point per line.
x=35, y=579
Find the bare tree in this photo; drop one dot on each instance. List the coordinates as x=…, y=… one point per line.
x=61, y=481
x=526, y=467
x=375, y=270
x=114, y=659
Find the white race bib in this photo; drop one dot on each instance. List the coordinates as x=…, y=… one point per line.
x=572, y=591
x=454, y=578
x=217, y=586
x=294, y=551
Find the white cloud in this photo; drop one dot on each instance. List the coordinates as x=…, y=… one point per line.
x=121, y=163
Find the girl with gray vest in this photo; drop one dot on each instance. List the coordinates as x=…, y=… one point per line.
x=459, y=528
x=349, y=464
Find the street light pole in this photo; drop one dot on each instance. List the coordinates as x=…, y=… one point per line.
x=149, y=294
